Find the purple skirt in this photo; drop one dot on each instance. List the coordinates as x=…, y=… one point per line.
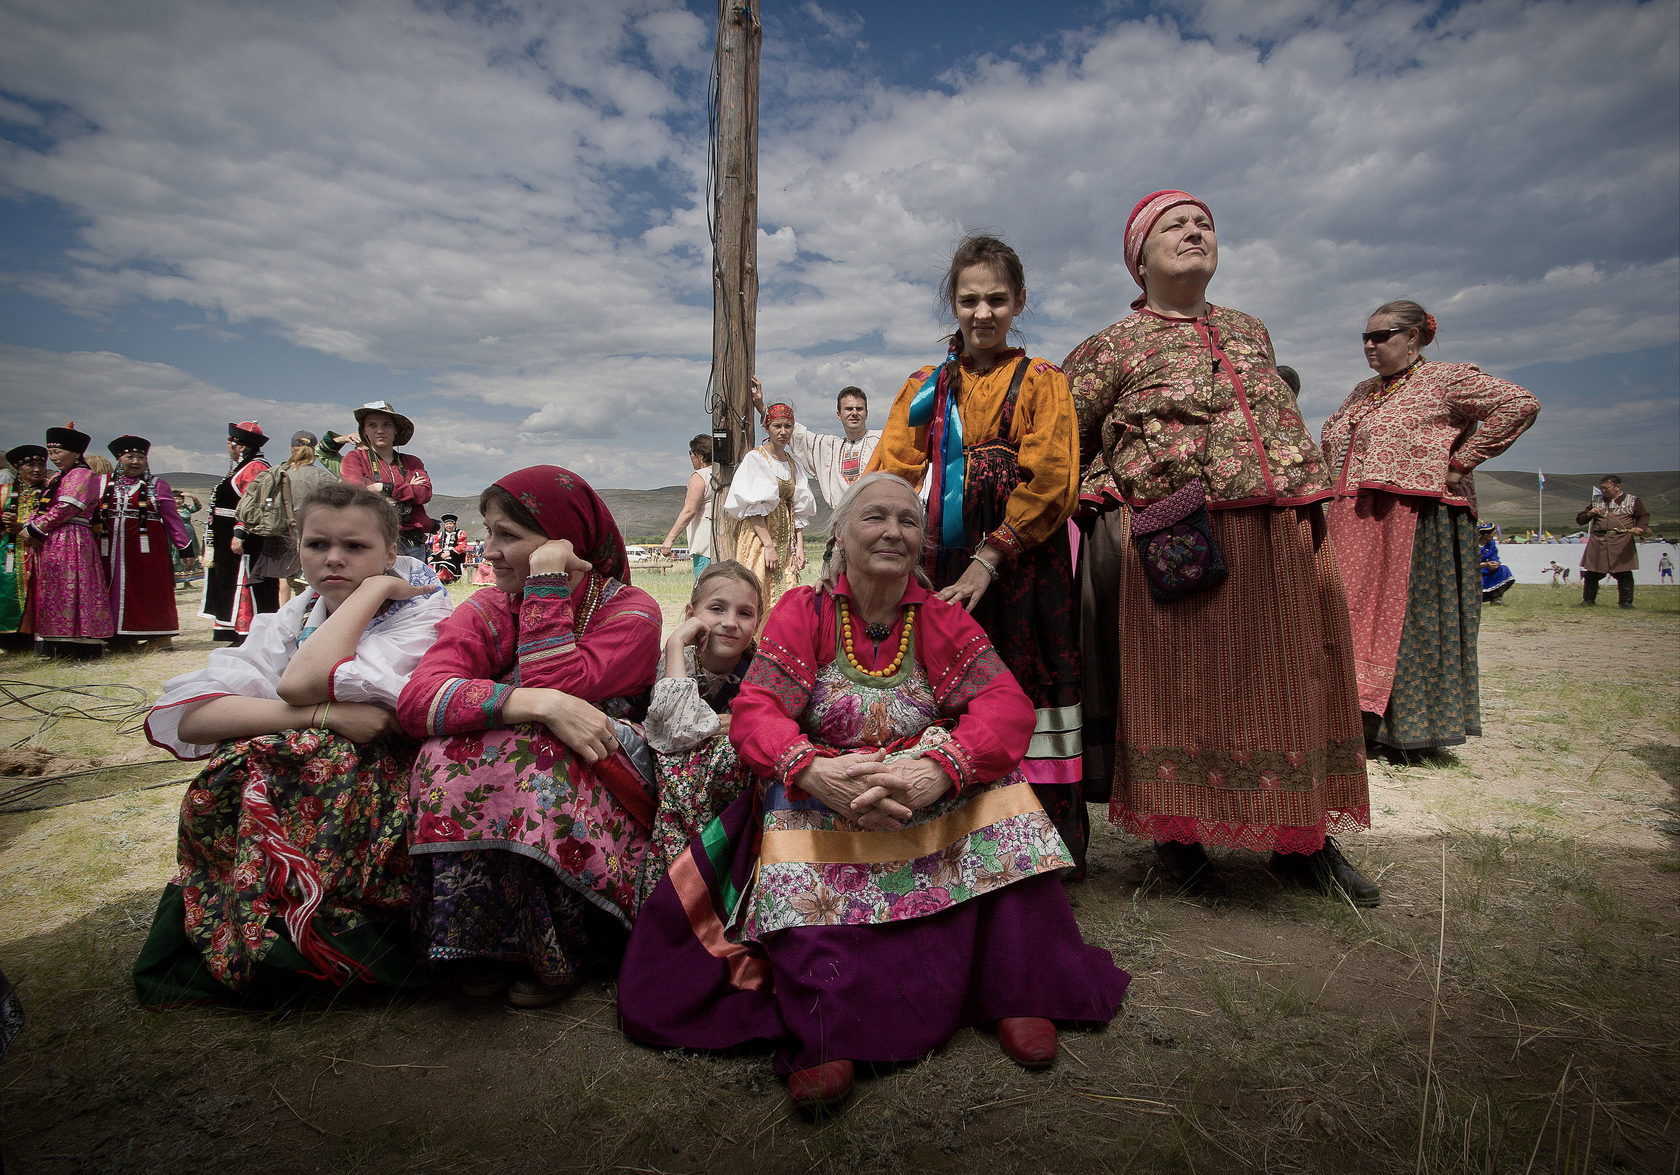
x=885, y=993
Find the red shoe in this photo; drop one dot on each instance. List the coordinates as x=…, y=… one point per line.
x=1031, y=1040
x=821, y=1085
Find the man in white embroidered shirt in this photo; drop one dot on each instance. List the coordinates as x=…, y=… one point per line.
x=836, y=462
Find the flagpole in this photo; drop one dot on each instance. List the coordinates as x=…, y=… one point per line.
x=1541, y=474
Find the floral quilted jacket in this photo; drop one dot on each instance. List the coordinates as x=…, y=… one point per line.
x=1162, y=400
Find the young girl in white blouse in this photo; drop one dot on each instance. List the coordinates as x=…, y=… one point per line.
x=687, y=725
x=293, y=849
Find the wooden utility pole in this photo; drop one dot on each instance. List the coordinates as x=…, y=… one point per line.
x=734, y=237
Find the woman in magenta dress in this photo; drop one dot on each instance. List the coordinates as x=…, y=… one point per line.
x=891, y=880
x=530, y=820
x=69, y=599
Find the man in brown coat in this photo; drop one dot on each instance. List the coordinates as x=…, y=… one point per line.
x=1618, y=520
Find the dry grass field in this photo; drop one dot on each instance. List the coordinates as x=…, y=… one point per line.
x=1510, y=1007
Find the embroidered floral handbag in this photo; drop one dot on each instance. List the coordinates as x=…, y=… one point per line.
x=1176, y=542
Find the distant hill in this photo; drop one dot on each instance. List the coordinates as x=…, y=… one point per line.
x=1507, y=496
x=1511, y=498
x=644, y=516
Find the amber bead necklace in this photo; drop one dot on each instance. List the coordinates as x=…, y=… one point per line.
x=847, y=641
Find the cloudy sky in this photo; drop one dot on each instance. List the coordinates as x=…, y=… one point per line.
x=493, y=213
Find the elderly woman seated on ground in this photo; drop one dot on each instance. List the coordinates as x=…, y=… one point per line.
x=294, y=838
x=898, y=872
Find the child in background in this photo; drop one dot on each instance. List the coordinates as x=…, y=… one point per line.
x=687, y=724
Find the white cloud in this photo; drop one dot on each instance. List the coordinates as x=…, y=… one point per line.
x=511, y=210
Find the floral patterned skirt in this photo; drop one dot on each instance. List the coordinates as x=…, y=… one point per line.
x=519, y=792
x=292, y=857
x=818, y=868
x=694, y=787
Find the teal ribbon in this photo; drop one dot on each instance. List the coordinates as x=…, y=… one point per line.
x=952, y=535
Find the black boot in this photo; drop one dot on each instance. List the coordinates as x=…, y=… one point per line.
x=1186, y=866
x=1328, y=870
x=1624, y=590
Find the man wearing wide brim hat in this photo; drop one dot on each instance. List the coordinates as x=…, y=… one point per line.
x=142, y=525
x=231, y=598
x=402, y=477
x=69, y=602
x=22, y=499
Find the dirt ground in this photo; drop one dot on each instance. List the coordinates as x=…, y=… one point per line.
x=1509, y=1007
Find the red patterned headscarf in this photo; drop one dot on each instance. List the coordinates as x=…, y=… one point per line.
x=567, y=508
x=779, y=411
x=1144, y=215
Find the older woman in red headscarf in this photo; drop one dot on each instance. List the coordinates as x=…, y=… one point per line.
x=1217, y=634
x=530, y=819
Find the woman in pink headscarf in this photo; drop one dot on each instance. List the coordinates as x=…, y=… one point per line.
x=1216, y=640
x=529, y=819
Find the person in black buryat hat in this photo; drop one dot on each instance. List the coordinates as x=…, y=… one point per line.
x=142, y=524
x=18, y=504
x=229, y=600
x=449, y=549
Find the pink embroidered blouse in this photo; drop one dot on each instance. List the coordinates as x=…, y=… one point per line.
x=1443, y=416
x=993, y=718
x=494, y=643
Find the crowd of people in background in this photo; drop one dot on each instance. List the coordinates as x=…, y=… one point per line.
x=95, y=549
x=838, y=817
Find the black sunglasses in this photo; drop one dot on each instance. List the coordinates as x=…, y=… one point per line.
x=1382, y=336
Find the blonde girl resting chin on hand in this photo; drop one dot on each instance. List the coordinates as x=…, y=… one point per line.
x=293, y=853
x=701, y=669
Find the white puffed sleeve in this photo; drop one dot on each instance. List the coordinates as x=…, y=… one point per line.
x=752, y=491
x=393, y=642
x=804, y=502
x=250, y=671
x=678, y=718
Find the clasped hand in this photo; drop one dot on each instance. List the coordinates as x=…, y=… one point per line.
x=871, y=792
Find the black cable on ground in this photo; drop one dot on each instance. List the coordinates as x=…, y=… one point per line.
x=125, y=705
x=12, y=798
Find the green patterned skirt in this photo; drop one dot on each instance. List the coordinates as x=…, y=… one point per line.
x=1436, y=698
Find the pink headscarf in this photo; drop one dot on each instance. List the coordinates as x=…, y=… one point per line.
x=1144, y=215
x=567, y=508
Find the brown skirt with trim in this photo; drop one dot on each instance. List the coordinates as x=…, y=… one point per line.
x=1237, y=721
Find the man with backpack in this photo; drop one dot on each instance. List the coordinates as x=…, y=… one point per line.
x=268, y=515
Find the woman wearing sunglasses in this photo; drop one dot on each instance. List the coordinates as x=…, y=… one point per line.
x=1403, y=521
